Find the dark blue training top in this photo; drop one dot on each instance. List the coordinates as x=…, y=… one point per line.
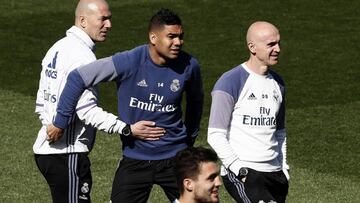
x=146, y=91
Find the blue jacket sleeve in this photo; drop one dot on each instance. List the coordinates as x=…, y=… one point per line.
x=71, y=93
x=78, y=80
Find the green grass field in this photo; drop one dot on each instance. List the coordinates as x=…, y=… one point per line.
x=319, y=63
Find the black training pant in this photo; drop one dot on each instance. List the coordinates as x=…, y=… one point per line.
x=68, y=176
x=134, y=179
x=258, y=187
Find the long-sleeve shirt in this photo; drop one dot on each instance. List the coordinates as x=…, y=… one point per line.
x=65, y=55
x=145, y=91
x=246, y=125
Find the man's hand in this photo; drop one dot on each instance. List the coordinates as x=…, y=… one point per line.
x=147, y=130
x=53, y=133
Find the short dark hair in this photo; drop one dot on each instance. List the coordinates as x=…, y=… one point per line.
x=164, y=17
x=188, y=161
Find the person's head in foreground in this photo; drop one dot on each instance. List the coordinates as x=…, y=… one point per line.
x=197, y=172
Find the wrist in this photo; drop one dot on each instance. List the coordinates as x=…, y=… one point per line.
x=126, y=131
x=61, y=121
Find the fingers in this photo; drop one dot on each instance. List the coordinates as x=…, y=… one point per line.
x=154, y=131
x=148, y=138
x=149, y=134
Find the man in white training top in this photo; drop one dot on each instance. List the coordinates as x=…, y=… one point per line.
x=247, y=122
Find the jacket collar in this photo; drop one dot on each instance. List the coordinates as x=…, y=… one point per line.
x=82, y=36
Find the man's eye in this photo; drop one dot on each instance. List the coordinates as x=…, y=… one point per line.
x=105, y=18
x=272, y=44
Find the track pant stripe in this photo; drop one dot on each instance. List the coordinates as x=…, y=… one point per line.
x=73, y=178
x=239, y=187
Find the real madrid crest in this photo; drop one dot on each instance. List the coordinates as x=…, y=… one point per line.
x=276, y=96
x=175, y=85
x=85, y=188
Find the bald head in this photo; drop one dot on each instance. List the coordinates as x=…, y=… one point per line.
x=259, y=31
x=93, y=17
x=87, y=7
x=263, y=41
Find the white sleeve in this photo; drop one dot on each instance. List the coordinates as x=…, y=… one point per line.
x=217, y=138
x=90, y=113
x=39, y=104
x=220, y=117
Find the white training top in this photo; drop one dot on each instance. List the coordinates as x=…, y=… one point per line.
x=72, y=51
x=246, y=125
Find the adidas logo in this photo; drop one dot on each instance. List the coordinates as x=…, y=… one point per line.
x=252, y=97
x=142, y=83
x=53, y=63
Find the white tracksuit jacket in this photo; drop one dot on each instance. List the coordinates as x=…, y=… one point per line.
x=72, y=51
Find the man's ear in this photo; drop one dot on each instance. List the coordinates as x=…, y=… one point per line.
x=188, y=184
x=252, y=47
x=152, y=37
x=83, y=22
